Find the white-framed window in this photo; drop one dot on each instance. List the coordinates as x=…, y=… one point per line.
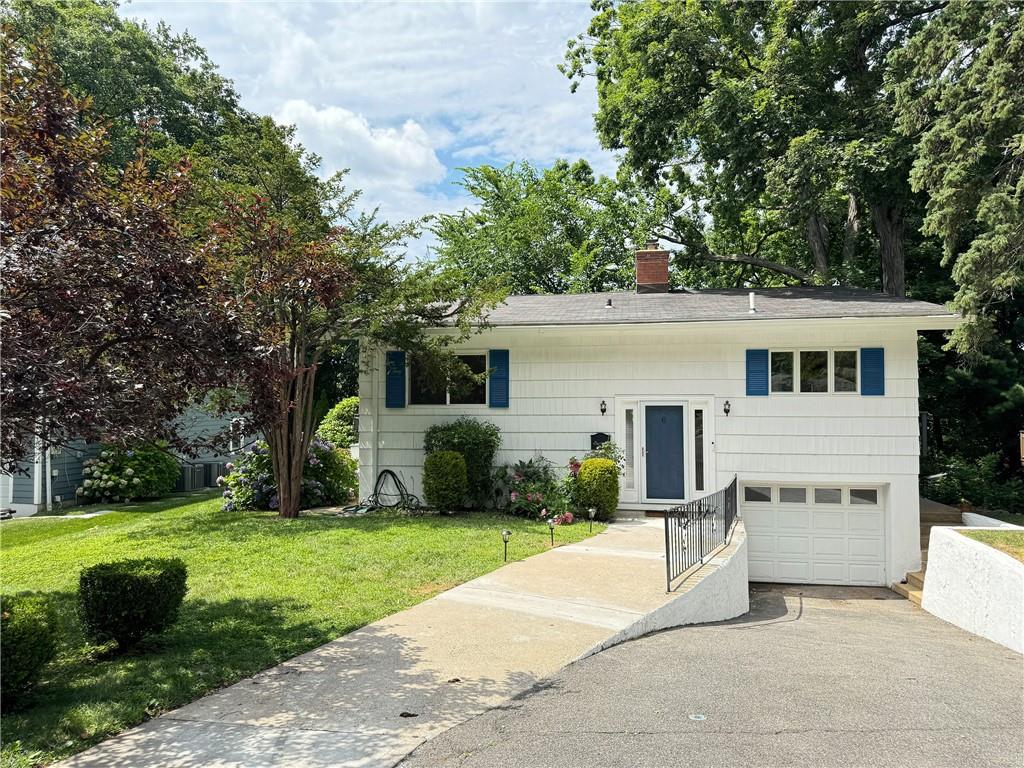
x=759, y=494
x=864, y=496
x=814, y=371
x=424, y=391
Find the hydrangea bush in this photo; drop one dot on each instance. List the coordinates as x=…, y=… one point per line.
x=145, y=471
x=330, y=476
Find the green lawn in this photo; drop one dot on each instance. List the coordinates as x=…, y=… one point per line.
x=1010, y=542
x=261, y=590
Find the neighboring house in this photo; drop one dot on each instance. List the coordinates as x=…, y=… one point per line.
x=28, y=492
x=808, y=395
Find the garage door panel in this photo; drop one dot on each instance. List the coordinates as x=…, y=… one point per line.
x=860, y=547
x=817, y=543
x=833, y=520
x=796, y=519
x=830, y=572
x=829, y=545
x=861, y=573
x=866, y=522
x=761, y=544
x=792, y=545
x=792, y=571
x=759, y=518
x=761, y=570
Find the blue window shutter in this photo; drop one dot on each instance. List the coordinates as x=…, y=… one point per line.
x=872, y=371
x=394, y=380
x=498, y=363
x=757, y=372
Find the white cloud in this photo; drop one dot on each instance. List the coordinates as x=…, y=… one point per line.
x=402, y=156
x=398, y=91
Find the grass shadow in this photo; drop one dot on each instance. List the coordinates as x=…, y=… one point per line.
x=89, y=693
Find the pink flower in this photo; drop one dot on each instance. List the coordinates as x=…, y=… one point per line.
x=514, y=495
x=529, y=497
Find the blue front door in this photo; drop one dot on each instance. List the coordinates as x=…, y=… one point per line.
x=664, y=451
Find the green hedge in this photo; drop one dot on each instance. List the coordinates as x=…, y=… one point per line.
x=598, y=486
x=126, y=600
x=478, y=442
x=28, y=641
x=339, y=425
x=444, y=480
x=143, y=471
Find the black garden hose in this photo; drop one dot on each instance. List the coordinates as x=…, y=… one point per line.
x=386, y=498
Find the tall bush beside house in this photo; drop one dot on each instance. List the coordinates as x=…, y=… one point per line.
x=330, y=477
x=977, y=482
x=143, y=471
x=339, y=425
x=126, y=600
x=478, y=442
x=28, y=642
x=597, y=485
x=445, y=482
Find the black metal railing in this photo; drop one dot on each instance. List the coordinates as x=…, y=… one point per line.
x=695, y=529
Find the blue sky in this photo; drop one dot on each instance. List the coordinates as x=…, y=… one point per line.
x=403, y=93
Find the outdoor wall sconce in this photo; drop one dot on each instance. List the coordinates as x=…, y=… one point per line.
x=551, y=527
x=591, y=513
x=604, y=407
x=726, y=408
x=505, y=536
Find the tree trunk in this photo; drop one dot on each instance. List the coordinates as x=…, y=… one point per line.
x=888, y=221
x=290, y=437
x=850, y=230
x=817, y=236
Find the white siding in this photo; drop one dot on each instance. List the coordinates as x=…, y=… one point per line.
x=558, y=378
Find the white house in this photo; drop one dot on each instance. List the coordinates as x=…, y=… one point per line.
x=808, y=395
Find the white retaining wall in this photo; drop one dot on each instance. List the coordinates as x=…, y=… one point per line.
x=976, y=587
x=720, y=594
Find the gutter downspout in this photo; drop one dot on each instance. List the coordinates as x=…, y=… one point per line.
x=375, y=426
x=49, y=481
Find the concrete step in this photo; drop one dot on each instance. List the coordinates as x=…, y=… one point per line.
x=909, y=592
x=916, y=579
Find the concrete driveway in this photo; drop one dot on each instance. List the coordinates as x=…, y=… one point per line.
x=811, y=677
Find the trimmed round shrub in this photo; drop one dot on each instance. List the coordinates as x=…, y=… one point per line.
x=478, y=442
x=28, y=628
x=444, y=480
x=339, y=425
x=144, y=471
x=598, y=486
x=329, y=477
x=126, y=600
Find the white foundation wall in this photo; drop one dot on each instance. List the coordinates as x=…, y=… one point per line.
x=559, y=377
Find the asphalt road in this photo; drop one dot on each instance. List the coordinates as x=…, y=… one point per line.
x=810, y=677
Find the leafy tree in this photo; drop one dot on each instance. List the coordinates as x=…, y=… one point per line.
x=959, y=86
x=560, y=230
x=758, y=121
x=108, y=332
x=302, y=271
x=134, y=75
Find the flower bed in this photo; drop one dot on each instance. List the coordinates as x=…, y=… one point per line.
x=329, y=478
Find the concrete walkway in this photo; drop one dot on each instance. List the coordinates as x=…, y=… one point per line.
x=370, y=697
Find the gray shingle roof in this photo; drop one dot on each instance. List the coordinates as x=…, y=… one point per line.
x=703, y=306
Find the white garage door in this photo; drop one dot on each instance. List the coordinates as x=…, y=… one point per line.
x=815, y=534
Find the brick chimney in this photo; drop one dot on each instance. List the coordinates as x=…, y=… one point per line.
x=652, y=269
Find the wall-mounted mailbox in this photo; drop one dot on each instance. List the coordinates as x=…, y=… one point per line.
x=598, y=439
